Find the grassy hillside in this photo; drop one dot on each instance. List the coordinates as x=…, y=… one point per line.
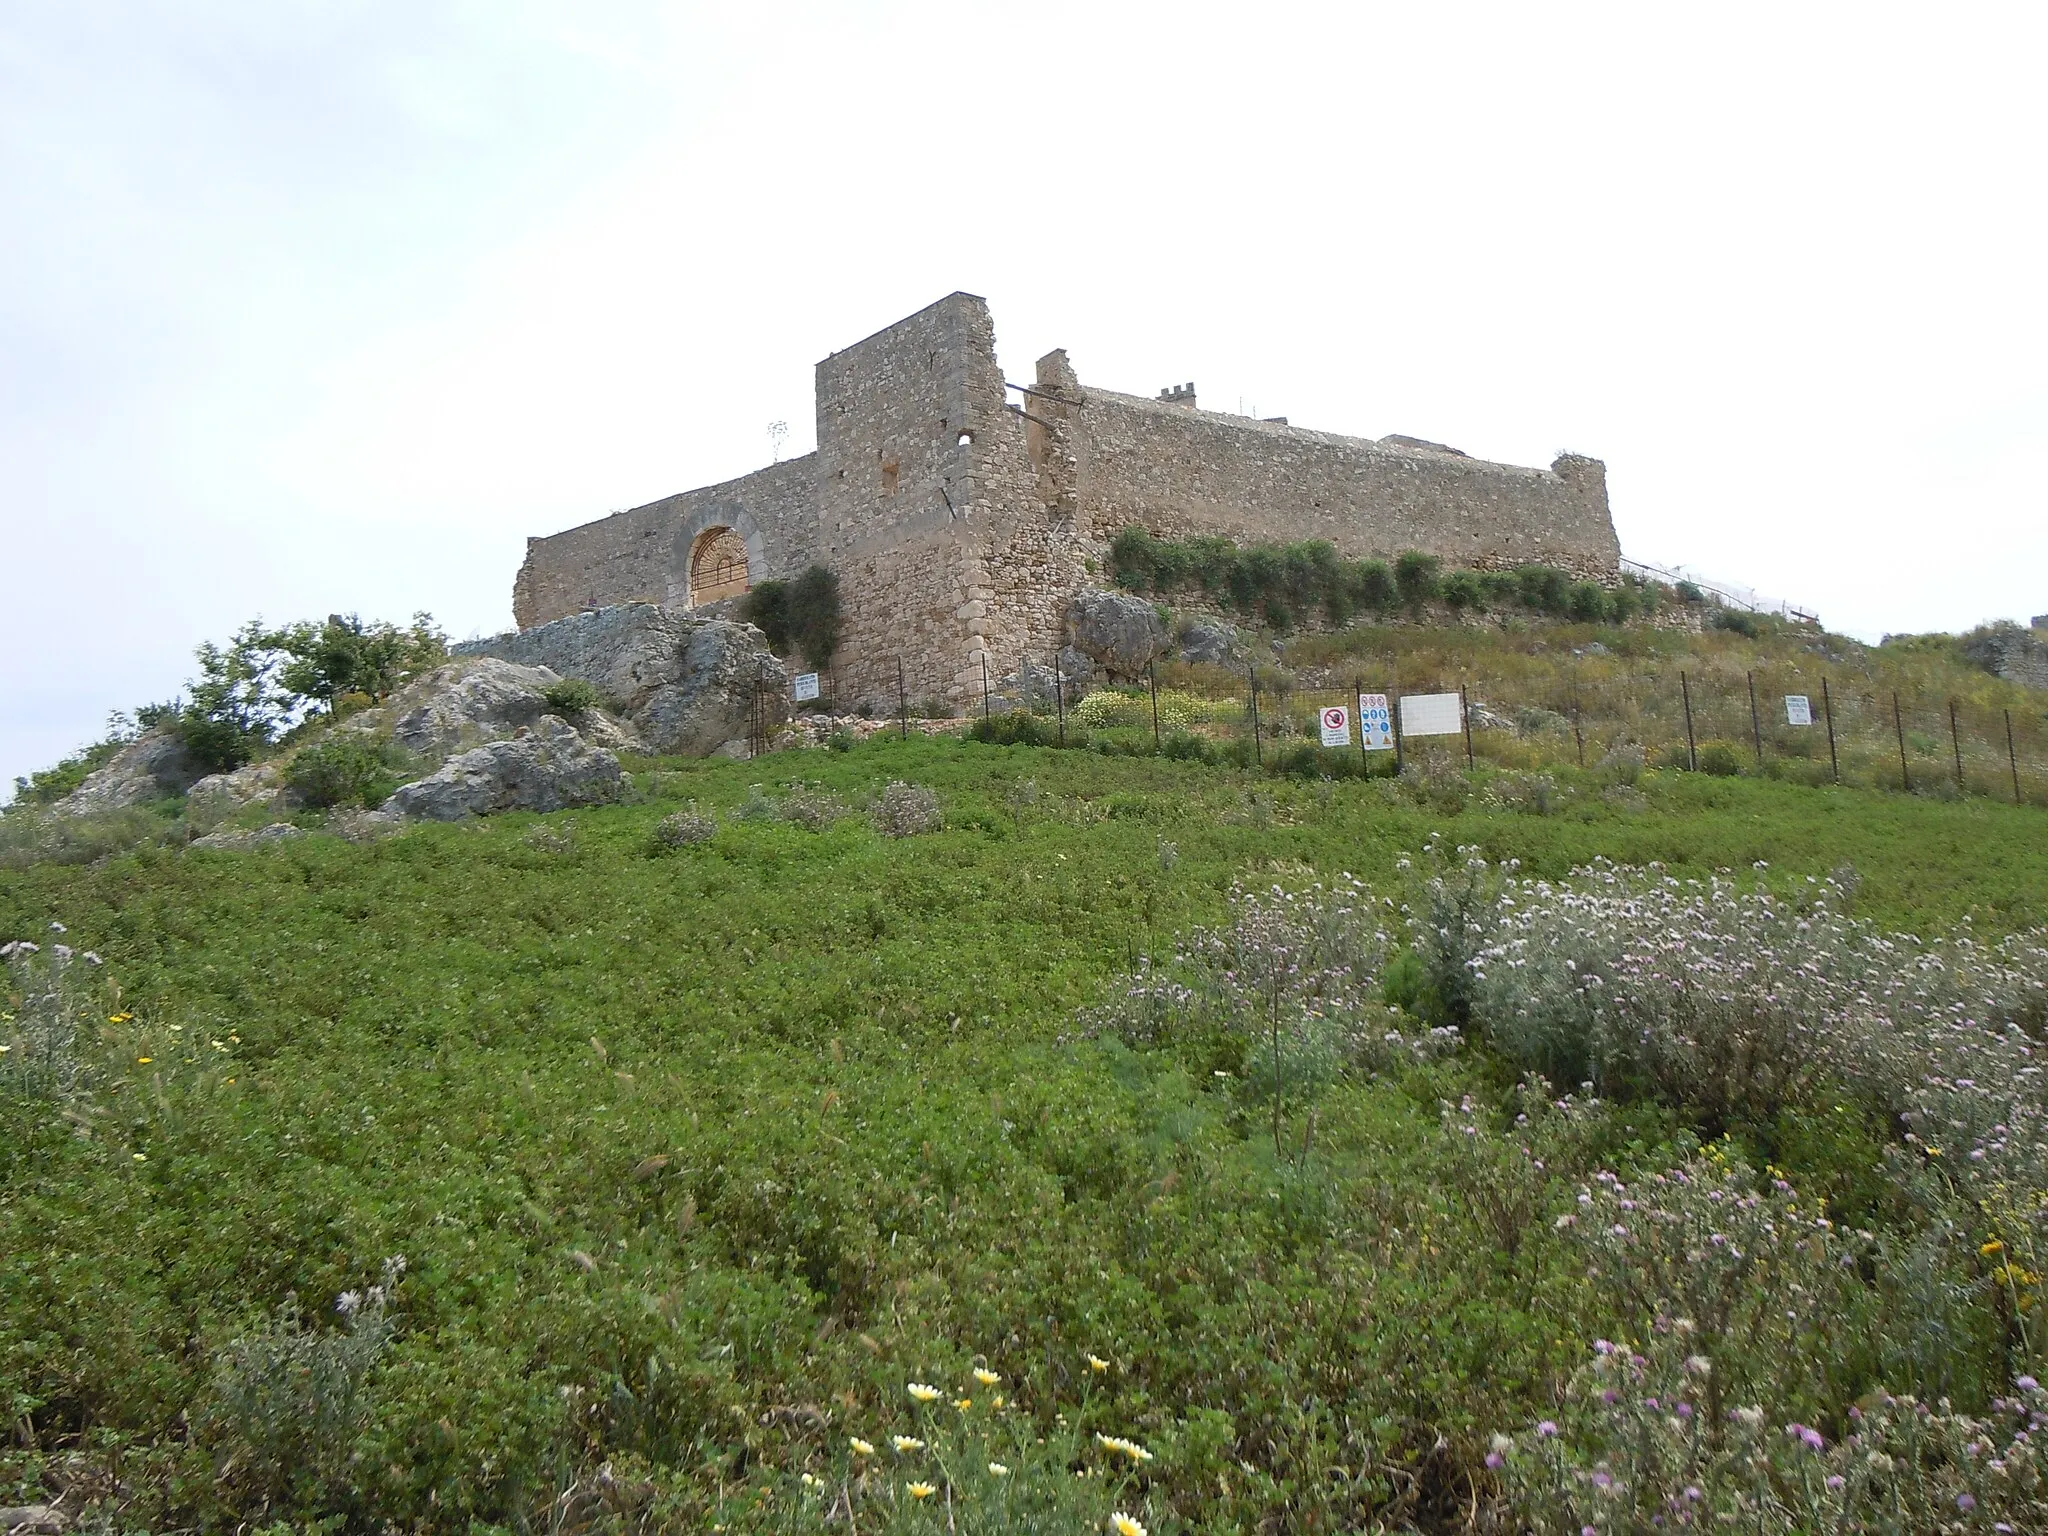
x=697, y=1156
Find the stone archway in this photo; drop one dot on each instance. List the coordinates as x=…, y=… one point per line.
x=718, y=553
x=718, y=566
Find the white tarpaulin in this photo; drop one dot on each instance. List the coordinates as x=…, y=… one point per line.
x=1798, y=709
x=1431, y=714
x=1336, y=727
x=1375, y=722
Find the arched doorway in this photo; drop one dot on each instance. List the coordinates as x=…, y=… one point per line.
x=718, y=566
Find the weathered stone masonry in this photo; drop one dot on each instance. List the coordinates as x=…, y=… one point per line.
x=959, y=522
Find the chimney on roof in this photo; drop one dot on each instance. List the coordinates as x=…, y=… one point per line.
x=1179, y=394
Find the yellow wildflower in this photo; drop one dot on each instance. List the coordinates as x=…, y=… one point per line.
x=141, y=1157
x=1994, y=1246
x=861, y=1447
x=920, y=1490
x=119, y=1018
x=987, y=1378
x=143, y=1061
x=923, y=1393
x=963, y=1403
x=996, y=1401
x=906, y=1443
x=1124, y=1525
x=1097, y=1364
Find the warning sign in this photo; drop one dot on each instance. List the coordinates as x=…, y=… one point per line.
x=1336, y=726
x=1798, y=709
x=1375, y=722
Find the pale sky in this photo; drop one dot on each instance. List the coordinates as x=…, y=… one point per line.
x=312, y=307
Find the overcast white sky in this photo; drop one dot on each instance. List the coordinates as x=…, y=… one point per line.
x=307, y=306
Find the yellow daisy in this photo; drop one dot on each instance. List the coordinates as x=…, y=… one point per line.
x=926, y=1490
x=985, y=1377
x=906, y=1443
x=1098, y=1364
x=1124, y=1525
x=923, y=1393
x=861, y=1447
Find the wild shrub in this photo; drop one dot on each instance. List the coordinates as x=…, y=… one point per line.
x=907, y=810
x=1532, y=794
x=31, y=835
x=799, y=617
x=571, y=696
x=51, y=1025
x=1623, y=764
x=1015, y=728
x=349, y=768
x=812, y=807
x=683, y=829
x=289, y=1397
x=1719, y=759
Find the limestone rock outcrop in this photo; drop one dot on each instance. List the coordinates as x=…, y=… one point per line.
x=151, y=767
x=686, y=684
x=1208, y=641
x=545, y=767
x=1121, y=632
x=472, y=700
x=220, y=795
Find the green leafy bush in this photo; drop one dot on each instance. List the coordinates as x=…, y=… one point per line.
x=1015, y=728
x=351, y=768
x=1719, y=759
x=571, y=696
x=798, y=617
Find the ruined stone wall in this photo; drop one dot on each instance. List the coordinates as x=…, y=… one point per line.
x=643, y=555
x=1181, y=472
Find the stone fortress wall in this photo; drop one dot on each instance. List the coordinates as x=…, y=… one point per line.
x=960, y=523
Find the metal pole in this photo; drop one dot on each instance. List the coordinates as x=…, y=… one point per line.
x=1394, y=709
x=1899, y=723
x=1258, y=752
x=1357, y=705
x=1692, y=750
x=1152, y=678
x=1955, y=739
x=1578, y=735
x=902, y=702
x=2012, y=758
x=1756, y=724
x=1465, y=709
x=1828, y=708
x=984, y=685
x=1059, y=695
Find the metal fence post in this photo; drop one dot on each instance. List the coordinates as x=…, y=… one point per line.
x=1578, y=734
x=1357, y=706
x=1692, y=751
x=2012, y=758
x=1059, y=696
x=984, y=685
x=1955, y=740
x=902, y=702
x=1465, y=709
x=1152, y=679
x=1756, y=724
x=1899, y=724
x=1258, y=751
x=1827, y=705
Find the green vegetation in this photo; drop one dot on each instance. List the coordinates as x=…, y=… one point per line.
x=703, y=1134
x=349, y=769
x=1285, y=585
x=798, y=617
x=571, y=696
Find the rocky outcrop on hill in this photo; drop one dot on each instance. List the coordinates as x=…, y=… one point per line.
x=151, y=767
x=472, y=700
x=1121, y=633
x=220, y=795
x=545, y=767
x=687, y=685
x=2019, y=655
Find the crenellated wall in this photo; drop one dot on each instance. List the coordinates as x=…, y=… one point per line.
x=959, y=525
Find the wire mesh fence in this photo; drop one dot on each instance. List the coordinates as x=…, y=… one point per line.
x=1775, y=719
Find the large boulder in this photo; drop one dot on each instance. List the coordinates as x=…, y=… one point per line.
x=687, y=684
x=1209, y=641
x=151, y=767
x=472, y=700
x=220, y=795
x=547, y=767
x=1122, y=633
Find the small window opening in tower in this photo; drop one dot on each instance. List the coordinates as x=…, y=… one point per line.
x=965, y=439
x=718, y=566
x=889, y=477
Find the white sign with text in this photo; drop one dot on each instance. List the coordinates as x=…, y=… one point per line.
x=806, y=687
x=1798, y=709
x=1336, y=726
x=1431, y=714
x=1375, y=722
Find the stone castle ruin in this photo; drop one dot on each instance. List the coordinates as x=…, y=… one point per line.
x=961, y=513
